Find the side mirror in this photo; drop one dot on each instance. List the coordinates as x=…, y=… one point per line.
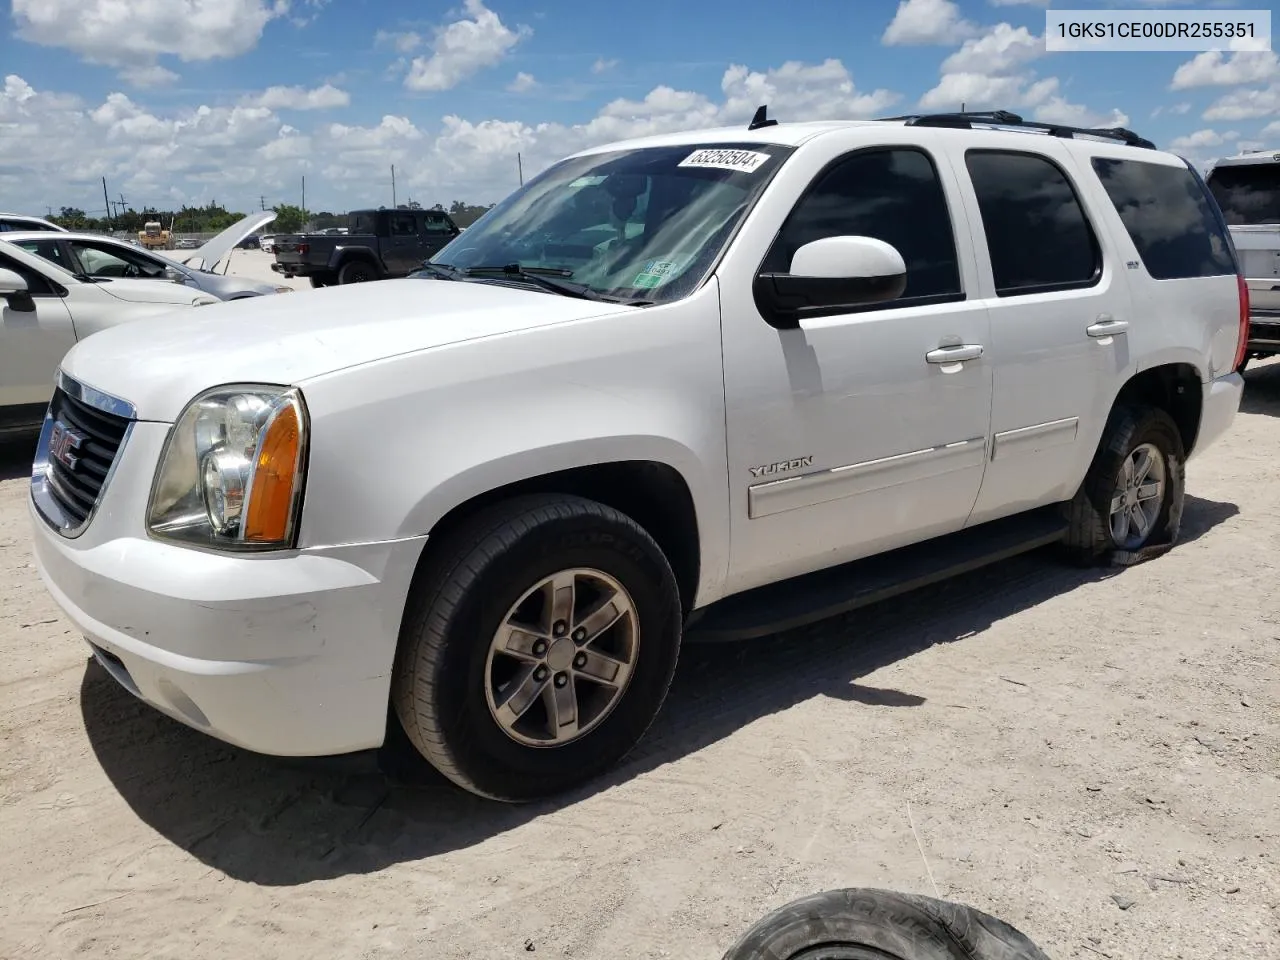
x=13, y=289
x=829, y=276
x=175, y=276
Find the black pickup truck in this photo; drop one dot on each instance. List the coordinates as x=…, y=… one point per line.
x=378, y=244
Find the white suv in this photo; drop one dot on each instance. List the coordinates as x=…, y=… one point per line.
x=721, y=381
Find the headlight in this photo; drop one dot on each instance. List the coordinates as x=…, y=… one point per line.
x=232, y=469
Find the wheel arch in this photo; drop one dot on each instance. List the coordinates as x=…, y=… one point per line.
x=341, y=256
x=1177, y=388
x=653, y=492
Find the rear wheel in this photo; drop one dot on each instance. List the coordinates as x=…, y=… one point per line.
x=537, y=647
x=1133, y=495
x=357, y=271
x=320, y=280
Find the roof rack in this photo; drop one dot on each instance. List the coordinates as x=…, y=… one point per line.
x=1003, y=118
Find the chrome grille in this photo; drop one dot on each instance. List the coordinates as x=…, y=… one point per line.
x=84, y=431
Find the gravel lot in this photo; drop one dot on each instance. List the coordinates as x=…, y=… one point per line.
x=1091, y=756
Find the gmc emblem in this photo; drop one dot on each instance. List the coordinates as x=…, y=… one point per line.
x=64, y=441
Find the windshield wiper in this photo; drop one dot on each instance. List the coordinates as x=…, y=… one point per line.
x=446, y=271
x=548, y=278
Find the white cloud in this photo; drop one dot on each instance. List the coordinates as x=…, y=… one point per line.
x=148, y=76
x=55, y=148
x=1177, y=108
x=523, y=83
x=1213, y=69
x=1000, y=50
x=463, y=48
x=1272, y=129
x=1057, y=109
x=324, y=97
x=1019, y=3
x=923, y=22
x=603, y=66
x=403, y=42
x=1197, y=140
x=124, y=32
x=1246, y=104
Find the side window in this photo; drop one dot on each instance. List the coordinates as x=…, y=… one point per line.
x=891, y=195
x=437, y=226
x=103, y=261
x=1037, y=232
x=37, y=285
x=403, y=225
x=50, y=250
x=1168, y=216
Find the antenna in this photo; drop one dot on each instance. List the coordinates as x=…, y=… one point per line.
x=760, y=120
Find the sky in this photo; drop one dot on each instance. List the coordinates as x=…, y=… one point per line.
x=236, y=101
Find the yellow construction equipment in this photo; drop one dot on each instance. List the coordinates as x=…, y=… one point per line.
x=153, y=236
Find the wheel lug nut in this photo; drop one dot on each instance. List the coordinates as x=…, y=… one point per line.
x=579, y=635
x=539, y=648
x=580, y=661
x=559, y=628
x=540, y=674
x=561, y=679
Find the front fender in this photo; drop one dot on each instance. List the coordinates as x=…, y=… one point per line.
x=397, y=444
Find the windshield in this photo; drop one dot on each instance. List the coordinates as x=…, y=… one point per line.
x=643, y=224
x=1247, y=193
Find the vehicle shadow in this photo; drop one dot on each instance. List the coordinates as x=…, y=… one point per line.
x=273, y=822
x=1262, y=390
x=16, y=456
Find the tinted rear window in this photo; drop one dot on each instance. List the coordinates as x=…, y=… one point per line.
x=1169, y=217
x=1249, y=193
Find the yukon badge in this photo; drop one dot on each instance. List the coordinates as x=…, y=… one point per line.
x=782, y=466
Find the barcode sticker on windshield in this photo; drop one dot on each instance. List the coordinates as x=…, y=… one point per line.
x=739, y=161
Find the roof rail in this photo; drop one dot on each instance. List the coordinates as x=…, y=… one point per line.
x=1003, y=118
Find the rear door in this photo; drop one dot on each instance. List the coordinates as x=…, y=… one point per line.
x=1059, y=309
x=32, y=344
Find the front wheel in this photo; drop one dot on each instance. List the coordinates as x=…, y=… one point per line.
x=537, y=647
x=1133, y=494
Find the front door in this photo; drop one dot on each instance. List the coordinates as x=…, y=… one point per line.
x=861, y=431
x=32, y=344
x=404, y=249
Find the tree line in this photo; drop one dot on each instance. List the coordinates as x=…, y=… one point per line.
x=213, y=218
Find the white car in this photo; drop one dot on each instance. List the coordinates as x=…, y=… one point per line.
x=98, y=257
x=729, y=380
x=46, y=309
x=11, y=222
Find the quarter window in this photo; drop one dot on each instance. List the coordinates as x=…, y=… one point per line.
x=891, y=195
x=1037, y=233
x=404, y=225
x=1168, y=215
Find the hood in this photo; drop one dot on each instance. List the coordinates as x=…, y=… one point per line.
x=210, y=254
x=228, y=285
x=153, y=291
x=160, y=364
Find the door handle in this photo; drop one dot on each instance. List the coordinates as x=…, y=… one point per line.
x=956, y=354
x=1106, y=327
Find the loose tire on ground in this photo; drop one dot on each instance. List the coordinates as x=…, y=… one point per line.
x=444, y=690
x=357, y=271
x=1091, y=538
x=869, y=924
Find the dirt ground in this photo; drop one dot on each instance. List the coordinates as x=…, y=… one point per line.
x=1092, y=757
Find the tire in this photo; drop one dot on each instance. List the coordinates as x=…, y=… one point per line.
x=1243, y=364
x=320, y=280
x=1090, y=538
x=868, y=924
x=357, y=271
x=448, y=683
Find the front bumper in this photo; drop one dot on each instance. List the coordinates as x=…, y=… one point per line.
x=285, y=654
x=1219, y=407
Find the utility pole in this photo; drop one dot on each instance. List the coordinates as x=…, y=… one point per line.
x=304, y=200
x=110, y=225
x=262, y=201
x=393, y=186
x=520, y=168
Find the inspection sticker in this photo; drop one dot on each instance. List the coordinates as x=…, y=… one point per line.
x=654, y=273
x=739, y=161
